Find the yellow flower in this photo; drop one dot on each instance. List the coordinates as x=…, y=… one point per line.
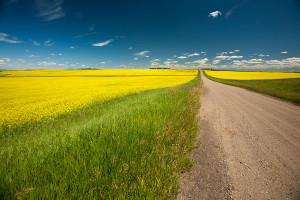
x=29, y=96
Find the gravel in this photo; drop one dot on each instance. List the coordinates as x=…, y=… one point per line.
x=250, y=147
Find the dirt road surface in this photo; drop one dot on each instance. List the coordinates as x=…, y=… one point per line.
x=250, y=147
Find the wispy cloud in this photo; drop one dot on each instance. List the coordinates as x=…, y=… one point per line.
x=100, y=44
x=48, y=43
x=215, y=62
x=72, y=47
x=201, y=61
x=84, y=35
x=130, y=48
x=262, y=55
x=284, y=52
x=228, y=13
x=46, y=64
x=92, y=27
x=215, y=14
x=142, y=53
x=50, y=9
x=228, y=57
x=7, y=38
x=33, y=56
x=182, y=57
x=34, y=42
x=155, y=60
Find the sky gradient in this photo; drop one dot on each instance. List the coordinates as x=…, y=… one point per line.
x=108, y=34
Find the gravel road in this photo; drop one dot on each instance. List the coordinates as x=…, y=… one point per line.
x=250, y=147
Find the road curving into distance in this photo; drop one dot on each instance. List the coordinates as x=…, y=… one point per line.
x=250, y=147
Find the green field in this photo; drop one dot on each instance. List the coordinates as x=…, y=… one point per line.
x=133, y=147
x=287, y=89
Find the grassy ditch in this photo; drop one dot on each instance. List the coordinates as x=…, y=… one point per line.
x=287, y=89
x=132, y=147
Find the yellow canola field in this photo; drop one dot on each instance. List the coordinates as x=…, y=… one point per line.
x=98, y=72
x=30, y=96
x=251, y=75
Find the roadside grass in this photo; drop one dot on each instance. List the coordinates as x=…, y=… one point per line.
x=133, y=147
x=287, y=89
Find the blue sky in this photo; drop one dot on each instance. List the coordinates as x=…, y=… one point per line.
x=231, y=34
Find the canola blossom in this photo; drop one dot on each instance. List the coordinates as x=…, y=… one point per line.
x=251, y=75
x=30, y=96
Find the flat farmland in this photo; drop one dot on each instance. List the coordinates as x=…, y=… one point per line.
x=283, y=85
x=30, y=96
x=96, y=134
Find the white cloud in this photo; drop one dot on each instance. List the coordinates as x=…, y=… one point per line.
x=293, y=59
x=194, y=54
x=33, y=56
x=227, y=57
x=255, y=61
x=223, y=53
x=103, y=63
x=201, y=62
x=7, y=38
x=103, y=43
x=34, y=42
x=130, y=48
x=246, y=62
x=262, y=55
x=236, y=50
x=235, y=57
x=50, y=9
x=44, y=63
x=59, y=54
x=135, y=58
x=142, y=53
x=215, y=62
x=215, y=14
x=182, y=57
x=284, y=52
x=154, y=64
x=48, y=43
x=156, y=60
x=203, y=52
x=222, y=57
x=72, y=47
x=147, y=56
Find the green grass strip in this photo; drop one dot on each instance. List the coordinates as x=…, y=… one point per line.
x=134, y=147
x=287, y=89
